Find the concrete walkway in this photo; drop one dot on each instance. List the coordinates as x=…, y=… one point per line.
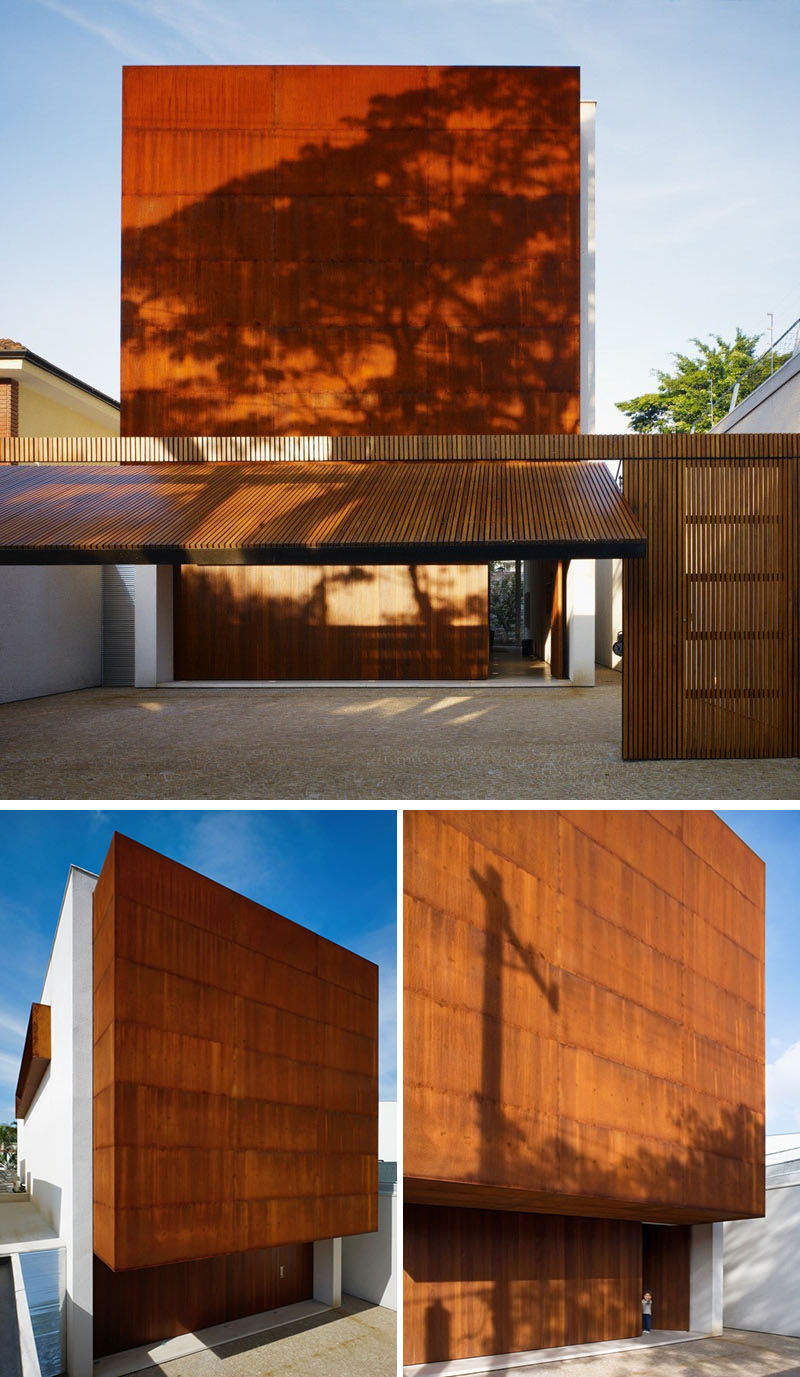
x=736, y=1353
x=364, y=742
x=356, y=1340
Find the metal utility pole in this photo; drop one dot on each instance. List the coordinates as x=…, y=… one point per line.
x=771, y=318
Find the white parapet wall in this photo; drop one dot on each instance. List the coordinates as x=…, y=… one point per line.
x=55, y=1137
x=773, y=406
x=761, y=1290
x=50, y=629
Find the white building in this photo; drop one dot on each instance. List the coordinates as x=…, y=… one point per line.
x=760, y=1255
x=774, y=406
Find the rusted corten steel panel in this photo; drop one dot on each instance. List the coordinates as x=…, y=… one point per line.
x=584, y=1014
x=712, y=623
x=312, y=512
x=235, y=1072
x=331, y=622
x=350, y=250
x=478, y=1282
x=35, y=1057
x=157, y=1303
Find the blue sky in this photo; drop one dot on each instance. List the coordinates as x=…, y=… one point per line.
x=698, y=110
x=334, y=872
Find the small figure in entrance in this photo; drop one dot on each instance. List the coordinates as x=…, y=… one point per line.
x=647, y=1312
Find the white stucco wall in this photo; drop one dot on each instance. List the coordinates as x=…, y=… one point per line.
x=369, y=1261
x=153, y=624
x=706, y=1279
x=588, y=387
x=387, y=1131
x=761, y=1290
x=774, y=406
x=50, y=629
x=55, y=1138
x=580, y=620
x=608, y=611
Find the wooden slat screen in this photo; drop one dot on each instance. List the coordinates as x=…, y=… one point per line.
x=479, y=1282
x=149, y=449
x=711, y=618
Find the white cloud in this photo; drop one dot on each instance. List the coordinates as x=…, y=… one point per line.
x=783, y=1091
x=10, y=1024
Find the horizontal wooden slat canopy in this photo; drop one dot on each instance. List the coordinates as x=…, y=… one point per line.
x=312, y=512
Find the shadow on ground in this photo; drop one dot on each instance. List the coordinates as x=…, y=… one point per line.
x=364, y=742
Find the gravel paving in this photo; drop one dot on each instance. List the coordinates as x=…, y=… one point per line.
x=736, y=1353
x=364, y=742
x=356, y=1340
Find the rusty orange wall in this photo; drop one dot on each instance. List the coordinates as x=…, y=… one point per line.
x=350, y=250
x=584, y=1016
x=235, y=1072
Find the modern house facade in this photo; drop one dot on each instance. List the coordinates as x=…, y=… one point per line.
x=584, y=1074
x=351, y=252
x=201, y=1132
x=357, y=367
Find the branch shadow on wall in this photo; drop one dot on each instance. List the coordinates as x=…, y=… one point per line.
x=327, y=622
x=600, y=1291
x=412, y=270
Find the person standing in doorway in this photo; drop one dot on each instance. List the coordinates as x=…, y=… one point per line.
x=647, y=1312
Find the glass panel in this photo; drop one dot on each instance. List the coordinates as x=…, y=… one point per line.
x=43, y=1274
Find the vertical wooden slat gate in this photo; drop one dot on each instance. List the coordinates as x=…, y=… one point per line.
x=711, y=617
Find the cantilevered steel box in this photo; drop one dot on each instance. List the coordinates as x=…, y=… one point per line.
x=235, y=1072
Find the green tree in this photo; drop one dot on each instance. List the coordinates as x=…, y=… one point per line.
x=698, y=393
x=503, y=610
x=8, y=1145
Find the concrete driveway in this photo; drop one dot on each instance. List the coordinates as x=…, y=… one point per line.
x=360, y=742
x=355, y=1340
x=736, y=1353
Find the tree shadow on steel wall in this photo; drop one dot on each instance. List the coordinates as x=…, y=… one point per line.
x=705, y=1150
x=417, y=278
x=225, y=630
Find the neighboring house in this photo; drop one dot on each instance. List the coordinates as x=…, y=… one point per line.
x=38, y=398
x=584, y=1074
x=50, y=619
x=760, y=1256
x=198, y=1109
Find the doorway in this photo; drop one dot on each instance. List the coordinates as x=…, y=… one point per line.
x=527, y=627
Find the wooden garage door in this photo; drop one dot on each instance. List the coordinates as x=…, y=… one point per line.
x=709, y=668
x=331, y=622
